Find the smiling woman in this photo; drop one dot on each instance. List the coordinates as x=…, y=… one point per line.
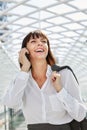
x=49, y=100
x=37, y=48
x=39, y=37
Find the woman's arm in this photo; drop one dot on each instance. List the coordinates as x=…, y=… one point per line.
x=70, y=96
x=14, y=94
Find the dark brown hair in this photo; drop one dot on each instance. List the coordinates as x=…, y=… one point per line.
x=36, y=34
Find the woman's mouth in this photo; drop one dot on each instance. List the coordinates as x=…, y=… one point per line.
x=39, y=50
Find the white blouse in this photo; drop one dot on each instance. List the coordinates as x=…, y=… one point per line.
x=45, y=105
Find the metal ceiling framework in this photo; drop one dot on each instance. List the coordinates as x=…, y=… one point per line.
x=65, y=23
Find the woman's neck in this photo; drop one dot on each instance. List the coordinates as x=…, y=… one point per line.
x=39, y=69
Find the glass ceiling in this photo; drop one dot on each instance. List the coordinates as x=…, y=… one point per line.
x=64, y=21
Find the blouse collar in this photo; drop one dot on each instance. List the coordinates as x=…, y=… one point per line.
x=49, y=71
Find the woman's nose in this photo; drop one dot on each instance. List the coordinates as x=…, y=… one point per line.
x=39, y=43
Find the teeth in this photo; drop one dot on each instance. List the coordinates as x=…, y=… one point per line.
x=39, y=50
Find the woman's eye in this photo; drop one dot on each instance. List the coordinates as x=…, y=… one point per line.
x=33, y=41
x=44, y=41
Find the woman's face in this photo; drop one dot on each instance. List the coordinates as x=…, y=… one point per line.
x=38, y=48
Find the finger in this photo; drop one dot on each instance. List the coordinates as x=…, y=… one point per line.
x=23, y=51
x=53, y=79
x=55, y=76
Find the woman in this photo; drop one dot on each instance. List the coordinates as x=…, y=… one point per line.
x=49, y=100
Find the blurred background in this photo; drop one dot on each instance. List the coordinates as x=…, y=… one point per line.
x=65, y=23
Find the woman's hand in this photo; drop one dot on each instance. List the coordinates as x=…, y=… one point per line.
x=24, y=60
x=56, y=80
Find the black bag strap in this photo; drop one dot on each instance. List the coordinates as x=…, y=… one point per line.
x=59, y=68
